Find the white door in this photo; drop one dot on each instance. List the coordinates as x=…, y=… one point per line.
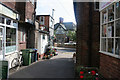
x=1, y=43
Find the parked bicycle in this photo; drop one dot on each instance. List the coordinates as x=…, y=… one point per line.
x=17, y=62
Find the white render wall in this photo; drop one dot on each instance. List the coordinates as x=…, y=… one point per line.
x=42, y=43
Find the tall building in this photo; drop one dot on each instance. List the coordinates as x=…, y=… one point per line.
x=16, y=28
x=87, y=48
x=110, y=39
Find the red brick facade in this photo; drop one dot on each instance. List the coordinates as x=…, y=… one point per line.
x=46, y=21
x=10, y=5
x=87, y=34
x=109, y=66
x=88, y=42
x=29, y=10
x=26, y=11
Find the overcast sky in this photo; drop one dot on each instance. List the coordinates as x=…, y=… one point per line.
x=63, y=8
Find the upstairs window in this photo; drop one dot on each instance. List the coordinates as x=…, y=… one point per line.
x=42, y=20
x=96, y=6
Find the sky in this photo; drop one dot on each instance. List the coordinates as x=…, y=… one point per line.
x=63, y=8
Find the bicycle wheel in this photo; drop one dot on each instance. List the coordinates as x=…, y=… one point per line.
x=14, y=63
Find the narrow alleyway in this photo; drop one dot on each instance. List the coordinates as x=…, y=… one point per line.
x=60, y=66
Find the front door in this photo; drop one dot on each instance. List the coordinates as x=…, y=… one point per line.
x=1, y=43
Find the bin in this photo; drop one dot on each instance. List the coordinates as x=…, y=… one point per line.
x=32, y=57
x=26, y=53
x=35, y=55
x=3, y=69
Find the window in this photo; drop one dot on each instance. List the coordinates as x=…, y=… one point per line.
x=10, y=39
x=43, y=36
x=23, y=36
x=8, y=21
x=110, y=30
x=42, y=20
x=2, y=20
x=96, y=6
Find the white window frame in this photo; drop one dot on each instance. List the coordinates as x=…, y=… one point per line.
x=114, y=36
x=10, y=26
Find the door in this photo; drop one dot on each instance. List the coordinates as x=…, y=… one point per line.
x=1, y=43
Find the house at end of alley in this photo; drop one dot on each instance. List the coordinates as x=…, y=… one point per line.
x=64, y=32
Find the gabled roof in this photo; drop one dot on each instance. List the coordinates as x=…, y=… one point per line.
x=59, y=25
x=70, y=26
x=66, y=25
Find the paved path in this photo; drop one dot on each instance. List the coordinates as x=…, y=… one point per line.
x=60, y=66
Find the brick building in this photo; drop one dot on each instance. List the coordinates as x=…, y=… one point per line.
x=26, y=30
x=9, y=18
x=87, y=17
x=105, y=47
x=110, y=39
x=17, y=26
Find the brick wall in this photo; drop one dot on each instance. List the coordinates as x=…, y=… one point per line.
x=20, y=7
x=29, y=10
x=22, y=45
x=25, y=9
x=47, y=22
x=87, y=34
x=10, y=4
x=109, y=66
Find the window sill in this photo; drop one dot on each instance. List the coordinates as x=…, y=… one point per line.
x=110, y=54
x=6, y=54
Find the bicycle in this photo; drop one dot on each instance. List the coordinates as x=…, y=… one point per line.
x=17, y=62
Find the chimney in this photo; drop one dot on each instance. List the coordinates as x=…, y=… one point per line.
x=61, y=20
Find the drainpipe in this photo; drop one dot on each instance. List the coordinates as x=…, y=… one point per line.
x=90, y=34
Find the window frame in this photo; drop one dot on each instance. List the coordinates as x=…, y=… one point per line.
x=22, y=36
x=106, y=37
x=5, y=25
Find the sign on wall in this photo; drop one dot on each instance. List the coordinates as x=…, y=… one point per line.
x=5, y=11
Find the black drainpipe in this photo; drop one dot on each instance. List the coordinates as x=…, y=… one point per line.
x=90, y=34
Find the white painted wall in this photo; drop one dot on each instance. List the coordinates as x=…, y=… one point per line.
x=10, y=57
x=42, y=43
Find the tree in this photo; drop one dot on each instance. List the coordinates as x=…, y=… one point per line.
x=71, y=35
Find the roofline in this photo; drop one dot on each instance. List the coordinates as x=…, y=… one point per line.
x=9, y=8
x=45, y=15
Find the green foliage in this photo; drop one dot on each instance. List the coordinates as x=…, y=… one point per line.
x=71, y=35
